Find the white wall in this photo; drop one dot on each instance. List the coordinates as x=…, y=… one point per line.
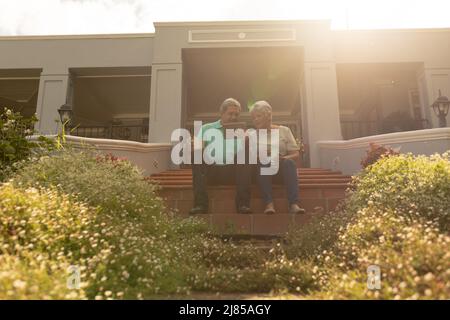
x=346, y=156
x=149, y=157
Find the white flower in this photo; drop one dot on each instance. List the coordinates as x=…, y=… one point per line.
x=19, y=284
x=428, y=277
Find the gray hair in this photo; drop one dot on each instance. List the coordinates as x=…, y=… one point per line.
x=261, y=106
x=229, y=103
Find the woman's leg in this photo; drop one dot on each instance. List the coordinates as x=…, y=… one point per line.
x=289, y=171
x=265, y=184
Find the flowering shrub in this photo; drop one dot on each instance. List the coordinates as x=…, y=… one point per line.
x=414, y=186
x=376, y=152
x=149, y=251
x=397, y=218
x=110, y=158
x=34, y=276
x=14, y=146
x=413, y=257
x=13, y=143
x=40, y=233
x=320, y=234
x=77, y=208
x=116, y=187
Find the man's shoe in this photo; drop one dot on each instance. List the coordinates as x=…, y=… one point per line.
x=270, y=209
x=198, y=210
x=295, y=209
x=244, y=210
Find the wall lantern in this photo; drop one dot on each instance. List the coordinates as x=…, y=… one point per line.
x=440, y=107
x=65, y=114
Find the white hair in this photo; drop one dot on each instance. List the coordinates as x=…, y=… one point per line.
x=261, y=106
x=228, y=103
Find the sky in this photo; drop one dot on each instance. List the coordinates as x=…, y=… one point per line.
x=56, y=17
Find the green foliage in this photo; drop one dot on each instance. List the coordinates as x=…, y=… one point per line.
x=13, y=143
x=413, y=257
x=15, y=148
x=277, y=276
x=245, y=268
x=40, y=233
x=396, y=218
x=320, y=234
x=75, y=207
x=116, y=187
x=414, y=186
x=149, y=251
x=34, y=276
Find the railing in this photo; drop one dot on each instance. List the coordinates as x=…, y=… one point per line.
x=118, y=131
x=291, y=124
x=358, y=129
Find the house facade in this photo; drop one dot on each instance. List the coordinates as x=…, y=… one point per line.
x=325, y=85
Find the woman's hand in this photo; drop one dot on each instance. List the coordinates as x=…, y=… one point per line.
x=293, y=155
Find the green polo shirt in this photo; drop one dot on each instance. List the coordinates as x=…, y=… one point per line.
x=231, y=146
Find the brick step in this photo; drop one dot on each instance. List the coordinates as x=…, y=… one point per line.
x=227, y=192
x=300, y=176
x=255, y=224
x=303, y=168
x=178, y=181
x=320, y=191
x=299, y=171
x=227, y=206
x=301, y=185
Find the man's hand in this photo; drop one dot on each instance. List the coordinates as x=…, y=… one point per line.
x=199, y=142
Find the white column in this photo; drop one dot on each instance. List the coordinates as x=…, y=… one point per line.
x=53, y=93
x=322, y=106
x=165, y=101
x=435, y=79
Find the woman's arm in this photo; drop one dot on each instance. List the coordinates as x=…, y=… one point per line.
x=293, y=150
x=294, y=155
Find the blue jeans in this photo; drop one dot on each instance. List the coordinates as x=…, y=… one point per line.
x=288, y=173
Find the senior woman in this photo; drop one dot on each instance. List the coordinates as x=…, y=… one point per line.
x=288, y=148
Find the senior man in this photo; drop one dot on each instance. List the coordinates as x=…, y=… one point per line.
x=222, y=173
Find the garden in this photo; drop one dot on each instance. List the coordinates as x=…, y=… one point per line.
x=62, y=207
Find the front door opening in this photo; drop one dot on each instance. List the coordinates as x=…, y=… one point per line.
x=247, y=74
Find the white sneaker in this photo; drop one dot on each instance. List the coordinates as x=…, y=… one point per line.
x=295, y=209
x=270, y=209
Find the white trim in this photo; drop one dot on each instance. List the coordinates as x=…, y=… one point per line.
x=389, y=138
x=243, y=32
x=111, y=144
x=78, y=36
x=236, y=23
x=19, y=78
x=115, y=76
x=131, y=116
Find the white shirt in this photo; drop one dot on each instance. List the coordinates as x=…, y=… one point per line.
x=286, y=143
